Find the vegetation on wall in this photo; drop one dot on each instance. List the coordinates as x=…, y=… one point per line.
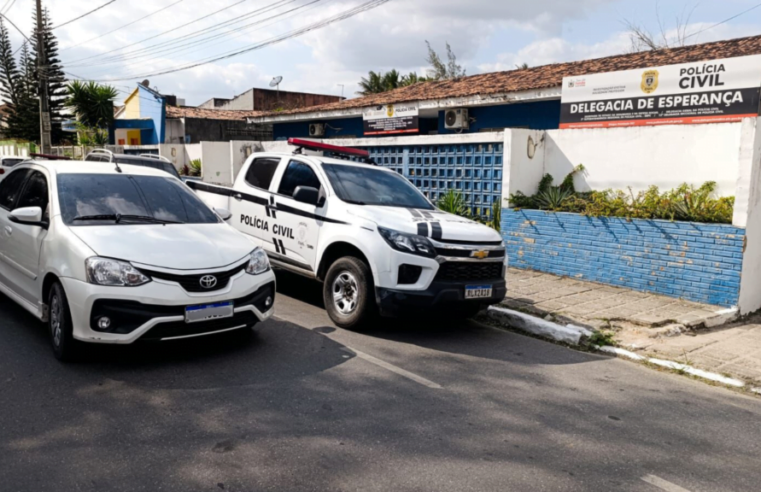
x=453, y=202
x=684, y=203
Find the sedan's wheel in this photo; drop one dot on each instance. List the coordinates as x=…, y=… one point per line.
x=349, y=293
x=65, y=348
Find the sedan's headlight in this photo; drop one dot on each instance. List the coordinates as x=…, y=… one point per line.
x=259, y=263
x=408, y=243
x=113, y=273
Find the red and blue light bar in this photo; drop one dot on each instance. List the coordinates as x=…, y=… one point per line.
x=321, y=147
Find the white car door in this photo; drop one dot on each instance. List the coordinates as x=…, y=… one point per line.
x=10, y=190
x=25, y=240
x=295, y=226
x=249, y=203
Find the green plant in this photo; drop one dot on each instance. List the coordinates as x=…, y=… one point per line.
x=196, y=167
x=92, y=103
x=495, y=221
x=454, y=203
x=553, y=198
x=602, y=339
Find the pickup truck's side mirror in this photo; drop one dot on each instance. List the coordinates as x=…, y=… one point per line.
x=29, y=216
x=308, y=195
x=223, y=213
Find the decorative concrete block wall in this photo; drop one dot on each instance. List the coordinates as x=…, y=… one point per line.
x=697, y=262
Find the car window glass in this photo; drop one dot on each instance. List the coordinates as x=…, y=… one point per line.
x=151, y=163
x=12, y=162
x=35, y=192
x=372, y=186
x=260, y=173
x=10, y=188
x=297, y=174
x=106, y=194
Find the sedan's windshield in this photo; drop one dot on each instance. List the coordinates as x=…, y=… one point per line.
x=98, y=199
x=368, y=186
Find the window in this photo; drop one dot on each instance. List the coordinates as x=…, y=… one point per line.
x=260, y=173
x=35, y=193
x=10, y=188
x=371, y=186
x=11, y=162
x=162, y=198
x=161, y=165
x=96, y=158
x=298, y=174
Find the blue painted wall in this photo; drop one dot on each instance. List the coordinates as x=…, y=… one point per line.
x=542, y=115
x=152, y=106
x=697, y=262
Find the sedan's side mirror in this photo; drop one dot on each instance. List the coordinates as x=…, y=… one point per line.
x=223, y=213
x=308, y=195
x=29, y=216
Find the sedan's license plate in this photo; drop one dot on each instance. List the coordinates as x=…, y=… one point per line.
x=477, y=291
x=196, y=314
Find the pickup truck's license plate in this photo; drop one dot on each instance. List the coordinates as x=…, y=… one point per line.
x=477, y=291
x=196, y=314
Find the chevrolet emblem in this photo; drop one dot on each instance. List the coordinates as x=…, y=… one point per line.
x=479, y=254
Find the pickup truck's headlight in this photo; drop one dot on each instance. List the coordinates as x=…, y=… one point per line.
x=408, y=243
x=113, y=273
x=259, y=262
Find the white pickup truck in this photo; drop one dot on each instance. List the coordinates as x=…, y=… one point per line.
x=371, y=237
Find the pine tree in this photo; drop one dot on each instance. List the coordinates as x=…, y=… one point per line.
x=56, y=79
x=24, y=122
x=9, y=73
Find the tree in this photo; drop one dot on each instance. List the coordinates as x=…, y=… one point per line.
x=644, y=40
x=92, y=103
x=522, y=66
x=412, y=79
x=444, y=71
x=56, y=79
x=24, y=121
x=377, y=82
x=9, y=73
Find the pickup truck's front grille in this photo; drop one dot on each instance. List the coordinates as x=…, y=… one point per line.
x=469, y=271
x=192, y=283
x=465, y=253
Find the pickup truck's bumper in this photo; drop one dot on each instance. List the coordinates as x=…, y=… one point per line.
x=446, y=296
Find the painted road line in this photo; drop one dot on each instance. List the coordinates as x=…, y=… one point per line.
x=663, y=484
x=394, y=369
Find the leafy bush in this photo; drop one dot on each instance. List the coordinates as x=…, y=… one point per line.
x=196, y=168
x=454, y=203
x=684, y=203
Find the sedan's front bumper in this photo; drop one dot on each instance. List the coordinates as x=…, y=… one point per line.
x=156, y=311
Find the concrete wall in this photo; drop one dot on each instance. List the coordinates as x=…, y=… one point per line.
x=697, y=262
x=239, y=152
x=217, y=163
x=524, y=151
x=748, y=214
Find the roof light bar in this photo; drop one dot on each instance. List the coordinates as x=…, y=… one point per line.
x=318, y=146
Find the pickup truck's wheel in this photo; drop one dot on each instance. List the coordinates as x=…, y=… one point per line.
x=348, y=293
x=65, y=348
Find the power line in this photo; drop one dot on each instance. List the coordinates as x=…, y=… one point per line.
x=372, y=4
x=14, y=25
x=122, y=27
x=172, y=47
x=724, y=21
x=85, y=14
x=159, y=34
x=6, y=10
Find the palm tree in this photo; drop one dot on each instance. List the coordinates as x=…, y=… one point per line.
x=92, y=103
x=377, y=82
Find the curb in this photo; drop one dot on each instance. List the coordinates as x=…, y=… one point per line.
x=574, y=335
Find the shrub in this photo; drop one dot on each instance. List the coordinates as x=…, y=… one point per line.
x=196, y=168
x=454, y=203
x=684, y=203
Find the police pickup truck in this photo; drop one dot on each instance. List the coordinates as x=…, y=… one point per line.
x=374, y=240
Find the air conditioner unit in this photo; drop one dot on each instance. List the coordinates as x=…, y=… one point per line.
x=456, y=119
x=316, y=130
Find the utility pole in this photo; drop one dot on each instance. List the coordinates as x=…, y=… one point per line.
x=43, y=79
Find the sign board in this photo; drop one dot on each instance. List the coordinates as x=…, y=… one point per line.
x=391, y=119
x=716, y=91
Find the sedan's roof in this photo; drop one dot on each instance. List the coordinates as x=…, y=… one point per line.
x=93, y=167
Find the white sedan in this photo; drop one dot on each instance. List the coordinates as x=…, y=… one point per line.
x=109, y=254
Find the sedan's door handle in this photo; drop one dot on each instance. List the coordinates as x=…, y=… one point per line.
x=8, y=230
x=238, y=197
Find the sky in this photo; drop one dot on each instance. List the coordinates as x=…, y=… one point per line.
x=126, y=42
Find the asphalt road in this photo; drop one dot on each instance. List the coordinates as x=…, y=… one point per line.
x=409, y=407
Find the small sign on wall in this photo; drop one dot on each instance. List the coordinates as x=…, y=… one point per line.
x=715, y=91
x=391, y=119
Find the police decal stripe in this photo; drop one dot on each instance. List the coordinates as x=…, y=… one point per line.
x=282, y=247
x=415, y=213
x=279, y=246
x=422, y=229
x=436, y=232
x=426, y=214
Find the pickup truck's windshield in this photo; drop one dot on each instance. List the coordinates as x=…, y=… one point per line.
x=99, y=199
x=368, y=186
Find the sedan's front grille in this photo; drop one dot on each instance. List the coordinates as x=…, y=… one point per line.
x=469, y=271
x=192, y=283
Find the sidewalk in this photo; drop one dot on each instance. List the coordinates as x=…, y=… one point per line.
x=686, y=332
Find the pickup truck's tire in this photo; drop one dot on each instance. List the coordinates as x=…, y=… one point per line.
x=65, y=347
x=349, y=294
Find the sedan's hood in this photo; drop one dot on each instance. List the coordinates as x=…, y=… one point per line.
x=453, y=227
x=175, y=246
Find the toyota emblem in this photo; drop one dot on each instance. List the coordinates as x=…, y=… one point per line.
x=208, y=282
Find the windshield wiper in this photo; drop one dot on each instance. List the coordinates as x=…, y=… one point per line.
x=120, y=217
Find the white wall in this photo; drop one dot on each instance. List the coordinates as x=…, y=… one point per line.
x=217, y=163
x=175, y=153
x=748, y=213
x=665, y=156
x=524, y=161
x=239, y=152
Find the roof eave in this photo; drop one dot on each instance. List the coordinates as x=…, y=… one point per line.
x=477, y=100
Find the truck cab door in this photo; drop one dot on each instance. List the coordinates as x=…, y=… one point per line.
x=295, y=226
x=251, y=196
